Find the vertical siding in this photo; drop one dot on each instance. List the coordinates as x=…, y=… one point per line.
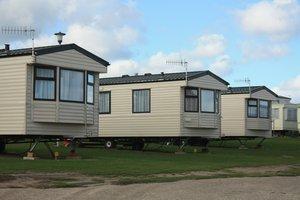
x=233, y=114
x=163, y=120
x=12, y=94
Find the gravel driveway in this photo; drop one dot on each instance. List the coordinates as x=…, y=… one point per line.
x=272, y=188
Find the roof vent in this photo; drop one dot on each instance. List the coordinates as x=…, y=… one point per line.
x=125, y=75
x=6, y=47
x=162, y=73
x=147, y=74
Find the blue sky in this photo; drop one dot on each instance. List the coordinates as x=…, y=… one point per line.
x=233, y=38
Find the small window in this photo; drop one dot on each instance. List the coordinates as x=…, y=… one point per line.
x=263, y=109
x=44, y=83
x=291, y=114
x=191, y=100
x=252, y=108
x=141, y=101
x=90, y=87
x=208, y=101
x=71, y=85
x=105, y=102
x=275, y=113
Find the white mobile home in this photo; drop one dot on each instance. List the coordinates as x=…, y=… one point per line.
x=161, y=105
x=284, y=116
x=53, y=92
x=246, y=112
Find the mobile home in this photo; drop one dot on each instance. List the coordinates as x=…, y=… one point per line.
x=246, y=112
x=284, y=116
x=165, y=105
x=49, y=91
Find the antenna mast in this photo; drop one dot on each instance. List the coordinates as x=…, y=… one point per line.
x=22, y=30
x=247, y=81
x=182, y=63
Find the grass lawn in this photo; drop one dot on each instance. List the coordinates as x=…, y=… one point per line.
x=98, y=161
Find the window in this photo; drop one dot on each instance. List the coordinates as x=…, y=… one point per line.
x=291, y=114
x=71, y=85
x=44, y=83
x=104, y=102
x=208, y=101
x=252, y=108
x=191, y=100
x=141, y=101
x=263, y=109
x=90, y=87
x=275, y=113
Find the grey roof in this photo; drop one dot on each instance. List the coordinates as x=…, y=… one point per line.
x=283, y=97
x=245, y=90
x=51, y=49
x=146, y=78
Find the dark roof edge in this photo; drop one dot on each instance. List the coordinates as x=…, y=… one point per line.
x=207, y=72
x=76, y=47
x=265, y=88
x=141, y=82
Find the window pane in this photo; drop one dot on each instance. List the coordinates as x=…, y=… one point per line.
x=252, y=102
x=90, y=78
x=191, y=92
x=207, y=101
x=291, y=114
x=275, y=113
x=104, y=104
x=44, y=89
x=141, y=101
x=44, y=73
x=191, y=104
x=264, y=109
x=71, y=85
x=252, y=111
x=90, y=94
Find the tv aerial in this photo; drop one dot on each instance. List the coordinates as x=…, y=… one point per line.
x=181, y=62
x=247, y=81
x=20, y=30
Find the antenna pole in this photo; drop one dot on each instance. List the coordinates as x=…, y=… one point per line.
x=182, y=63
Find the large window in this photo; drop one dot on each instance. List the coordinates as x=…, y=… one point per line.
x=90, y=87
x=71, y=85
x=275, y=113
x=44, y=83
x=104, y=102
x=208, y=101
x=191, y=100
x=141, y=101
x=263, y=109
x=252, y=108
x=291, y=114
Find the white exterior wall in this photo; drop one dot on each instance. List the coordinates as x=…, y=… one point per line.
x=13, y=95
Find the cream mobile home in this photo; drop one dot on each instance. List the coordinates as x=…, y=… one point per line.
x=166, y=105
x=246, y=112
x=284, y=116
x=52, y=91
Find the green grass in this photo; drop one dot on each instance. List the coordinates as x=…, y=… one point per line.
x=98, y=161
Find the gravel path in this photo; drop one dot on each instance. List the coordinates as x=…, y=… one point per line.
x=272, y=188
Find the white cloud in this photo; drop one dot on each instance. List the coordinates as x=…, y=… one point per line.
x=209, y=45
x=107, y=28
x=122, y=67
x=222, y=65
x=277, y=19
x=252, y=50
x=290, y=88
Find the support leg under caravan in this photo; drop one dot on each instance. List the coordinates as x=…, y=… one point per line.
x=2, y=145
